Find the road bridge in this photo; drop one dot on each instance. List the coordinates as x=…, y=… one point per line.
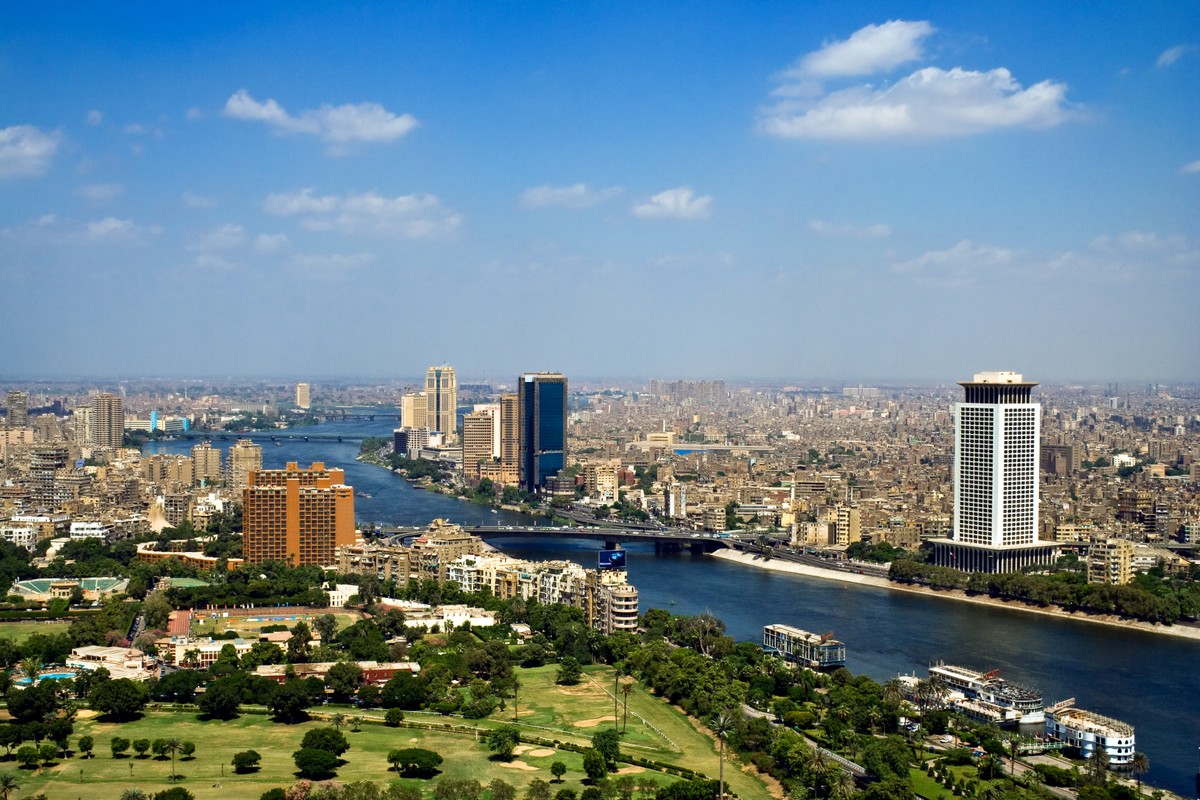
x=662, y=539
x=264, y=436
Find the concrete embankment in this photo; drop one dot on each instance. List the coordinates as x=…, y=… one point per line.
x=751, y=560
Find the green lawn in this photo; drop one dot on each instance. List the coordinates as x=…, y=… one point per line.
x=204, y=625
x=566, y=714
x=17, y=631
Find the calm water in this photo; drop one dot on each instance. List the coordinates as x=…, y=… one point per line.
x=1152, y=682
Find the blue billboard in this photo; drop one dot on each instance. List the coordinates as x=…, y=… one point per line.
x=612, y=559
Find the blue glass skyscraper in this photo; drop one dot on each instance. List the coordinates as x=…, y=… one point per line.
x=542, y=410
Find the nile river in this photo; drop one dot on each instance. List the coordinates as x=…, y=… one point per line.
x=1149, y=681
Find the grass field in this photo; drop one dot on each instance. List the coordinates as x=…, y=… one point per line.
x=565, y=714
x=249, y=627
x=17, y=631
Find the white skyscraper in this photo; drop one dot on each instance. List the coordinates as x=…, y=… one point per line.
x=997, y=432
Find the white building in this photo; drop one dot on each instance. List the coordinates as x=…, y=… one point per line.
x=997, y=441
x=90, y=530
x=22, y=535
x=1087, y=731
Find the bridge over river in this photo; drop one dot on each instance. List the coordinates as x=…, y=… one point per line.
x=671, y=538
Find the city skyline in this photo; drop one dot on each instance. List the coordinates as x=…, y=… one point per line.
x=879, y=192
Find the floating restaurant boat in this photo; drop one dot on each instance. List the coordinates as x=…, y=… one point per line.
x=1089, y=731
x=817, y=651
x=987, y=696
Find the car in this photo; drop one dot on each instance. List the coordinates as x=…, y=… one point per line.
x=947, y=739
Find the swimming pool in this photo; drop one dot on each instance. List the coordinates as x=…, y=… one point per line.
x=47, y=676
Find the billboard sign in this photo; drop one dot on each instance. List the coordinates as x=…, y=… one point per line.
x=612, y=559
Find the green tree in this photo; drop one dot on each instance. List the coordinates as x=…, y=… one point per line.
x=27, y=755
x=222, y=698
x=246, y=761
x=501, y=789
x=722, y=724
x=122, y=699
x=415, y=762
x=187, y=750
x=315, y=764
x=393, y=717
x=141, y=747
x=504, y=740
x=86, y=745
x=326, y=626
x=1139, y=766
x=9, y=783
x=569, y=671
x=594, y=764
x=558, y=769
x=343, y=680
x=119, y=746
x=327, y=739
x=47, y=753
x=608, y=743
x=290, y=701
x=537, y=789
x=174, y=793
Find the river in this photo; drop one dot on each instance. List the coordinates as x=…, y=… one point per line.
x=1147, y=680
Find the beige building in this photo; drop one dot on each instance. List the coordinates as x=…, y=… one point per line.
x=384, y=561
x=478, y=440
x=441, y=392
x=108, y=420
x=510, y=439
x=18, y=410
x=303, y=396
x=244, y=457
x=1110, y=561
x=206, y=463
x=600, y=480
x=848, y=526
x=300, y=516
x=168, y=470
x=414, y=410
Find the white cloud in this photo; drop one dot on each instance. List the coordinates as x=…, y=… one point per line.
x=213, y=261
x=226, y=237
x=929, y=103
x=111, y=229
x=194, y=113
x=26, y=151
x=1191, y=168
x=193, y=200
x=1171, y=55
x=410, y=216
x=95, y=117
x=339, y=125
x=678, y=203
x=869, y=50
x=577, y=195
x=958, y=265
x=270, y=242
x=825, y=228
x=100, y=193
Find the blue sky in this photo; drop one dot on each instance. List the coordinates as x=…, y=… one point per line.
x=724, y=190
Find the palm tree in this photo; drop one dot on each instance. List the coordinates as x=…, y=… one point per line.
x=9, y=783
x=172, y=746
x=842, y=785
x=516, y=686
x=626, y=689
x=337, y=721
x=722, y=724
x=31, y=667
x=893, y=692
x=1140, y=765
x=133, y=794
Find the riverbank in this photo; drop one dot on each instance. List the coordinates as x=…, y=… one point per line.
x=750, y=560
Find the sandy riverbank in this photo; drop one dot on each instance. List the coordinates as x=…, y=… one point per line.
x=1182, y=631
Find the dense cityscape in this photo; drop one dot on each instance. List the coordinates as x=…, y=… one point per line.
x=131, y=508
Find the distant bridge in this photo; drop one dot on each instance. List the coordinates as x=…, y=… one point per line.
x=264, y=436
x=662, y=539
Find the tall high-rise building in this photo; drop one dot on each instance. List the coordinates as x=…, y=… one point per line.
x=441, y=392
x=478, y=438
x=206, y=463
x=244, y=457
x=542, y=409
x=18, y=410
x=510, y=440
x=997, y=433
x=303, y=396
x=414, y=410
x=108, y=420
x=297, y=515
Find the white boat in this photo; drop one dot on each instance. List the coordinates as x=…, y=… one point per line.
x=1014, y=703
